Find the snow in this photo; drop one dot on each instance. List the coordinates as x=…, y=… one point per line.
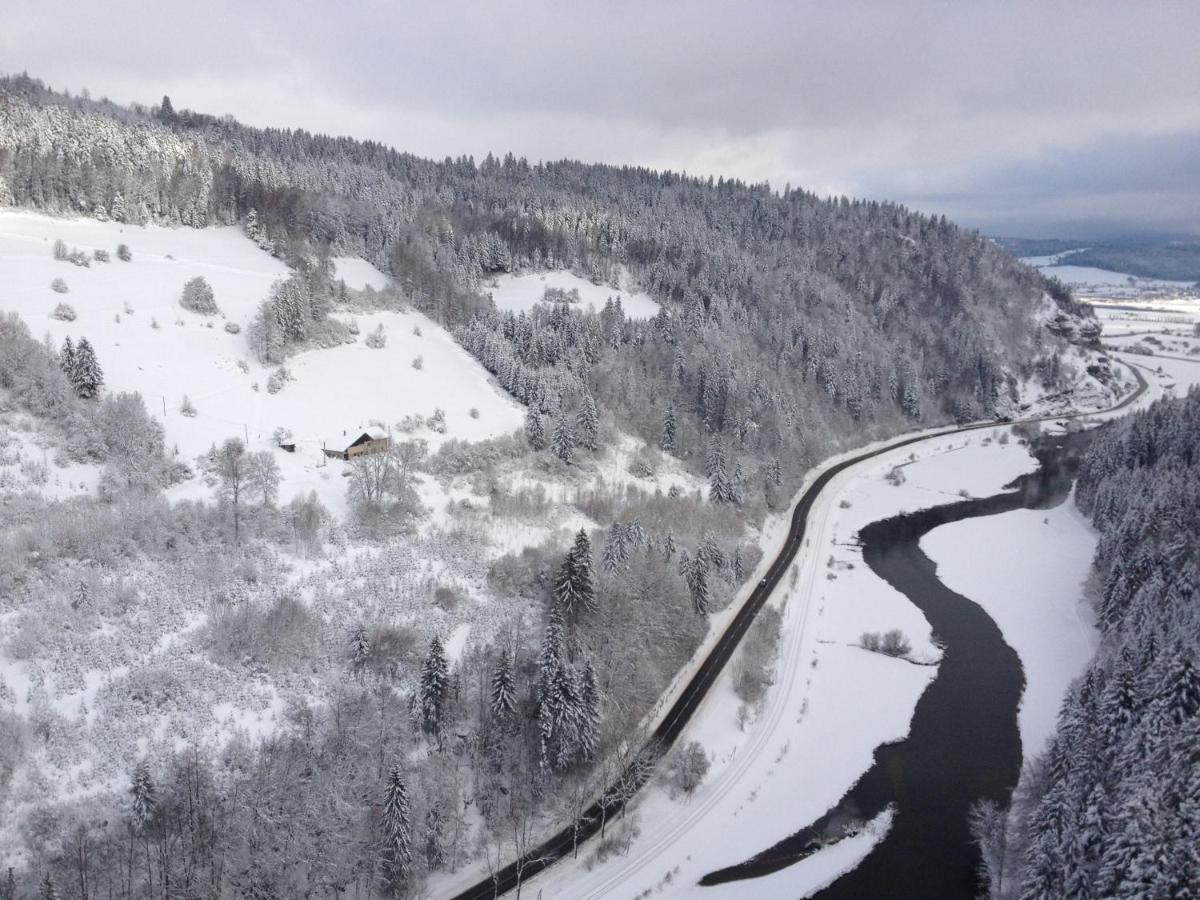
x=358, y=273
x=340, y=389
x=521, y=293
x=1027, y=568
x=832, y=703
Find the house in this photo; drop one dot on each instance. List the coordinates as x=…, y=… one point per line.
x=363, y=445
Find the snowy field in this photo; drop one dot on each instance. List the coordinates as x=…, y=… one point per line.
x=146, y=342
x=805, y=747
x=1091, y=282
x=1027, y=569
x=520, y=293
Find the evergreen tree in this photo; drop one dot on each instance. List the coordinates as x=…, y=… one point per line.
x=695, y=573
x=504, y=695
x=142, y=798
x=85, y=374
x=66, y=358
x=435, y=851
x=535, y=429
x=435, y=680
x=81, y=596
x=562, y=442
x=46, y=891
x=396, y=825
x=723, y=487
x=573, y=587
x=589, y=713
x=557, y=700
x=10, y=887
x=587, y=423
x=360, y=649
x=667, y=440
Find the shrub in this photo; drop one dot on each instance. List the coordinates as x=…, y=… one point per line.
x=473, y=413
x=59, y=286
x=186, y=408
x=232, y=328
x=689, y=765
x=198, y=297
x=377, y=340
x=418, y=363
x=891, y=643
x=277, y=380
x=123, y=253
x=64, y=312
x=101, y=256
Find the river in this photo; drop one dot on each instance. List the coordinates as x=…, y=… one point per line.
x=964, y=744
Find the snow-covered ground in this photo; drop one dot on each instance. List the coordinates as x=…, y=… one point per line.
x=146, y=342
x=832, y=703
x=519, y=293
x=1027, y=569
x=1091, y=282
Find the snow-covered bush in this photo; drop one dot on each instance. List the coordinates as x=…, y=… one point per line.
x=437, y=422
x=418, y=363
x=689, y=765
x=186, y=408
x=123, y=253
x=198, y=297
x=101, y=256
x=232, y=328
x=377, y=340
x=277, y=380
x=64, y=312
x=891, y=643
x=59, y=286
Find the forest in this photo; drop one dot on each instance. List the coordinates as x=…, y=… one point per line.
x=791, y=327
x=1112, y=808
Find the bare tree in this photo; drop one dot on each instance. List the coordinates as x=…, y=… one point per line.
x=262, y=476
x=231, y=465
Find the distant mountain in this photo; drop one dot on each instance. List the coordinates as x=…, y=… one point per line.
x=1173, y=259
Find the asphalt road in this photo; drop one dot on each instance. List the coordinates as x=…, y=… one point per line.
x=563, y=842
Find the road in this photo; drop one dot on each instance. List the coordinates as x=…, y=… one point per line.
x=563, y=843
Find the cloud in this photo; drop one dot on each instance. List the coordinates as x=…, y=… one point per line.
x=947, y=106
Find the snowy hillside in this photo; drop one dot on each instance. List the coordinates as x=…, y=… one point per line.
x=146, y=342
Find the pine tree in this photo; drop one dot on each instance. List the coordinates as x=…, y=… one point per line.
x=723, y=487
x=504, y=695
x=360, y=649
x=695, y=572
x=667, y=441
x=589, y=713
x=435, y=679
x=85, y=373
x=557, y=699
x=46, y=891
x=587, y=423
x=573, y=589
x=10, y=887
x=562, y=442
x=396, y=825
x=66, y=358
x=535, y=429
x=142, y=799
x=81, y=596
x=435, y=851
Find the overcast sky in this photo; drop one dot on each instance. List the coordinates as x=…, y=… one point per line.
x=1039, y=118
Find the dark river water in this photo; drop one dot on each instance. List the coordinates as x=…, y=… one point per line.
x=963, y=744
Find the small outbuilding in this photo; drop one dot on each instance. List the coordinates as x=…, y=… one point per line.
x=363, y=445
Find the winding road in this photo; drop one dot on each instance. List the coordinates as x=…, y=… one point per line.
x=616, y=796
